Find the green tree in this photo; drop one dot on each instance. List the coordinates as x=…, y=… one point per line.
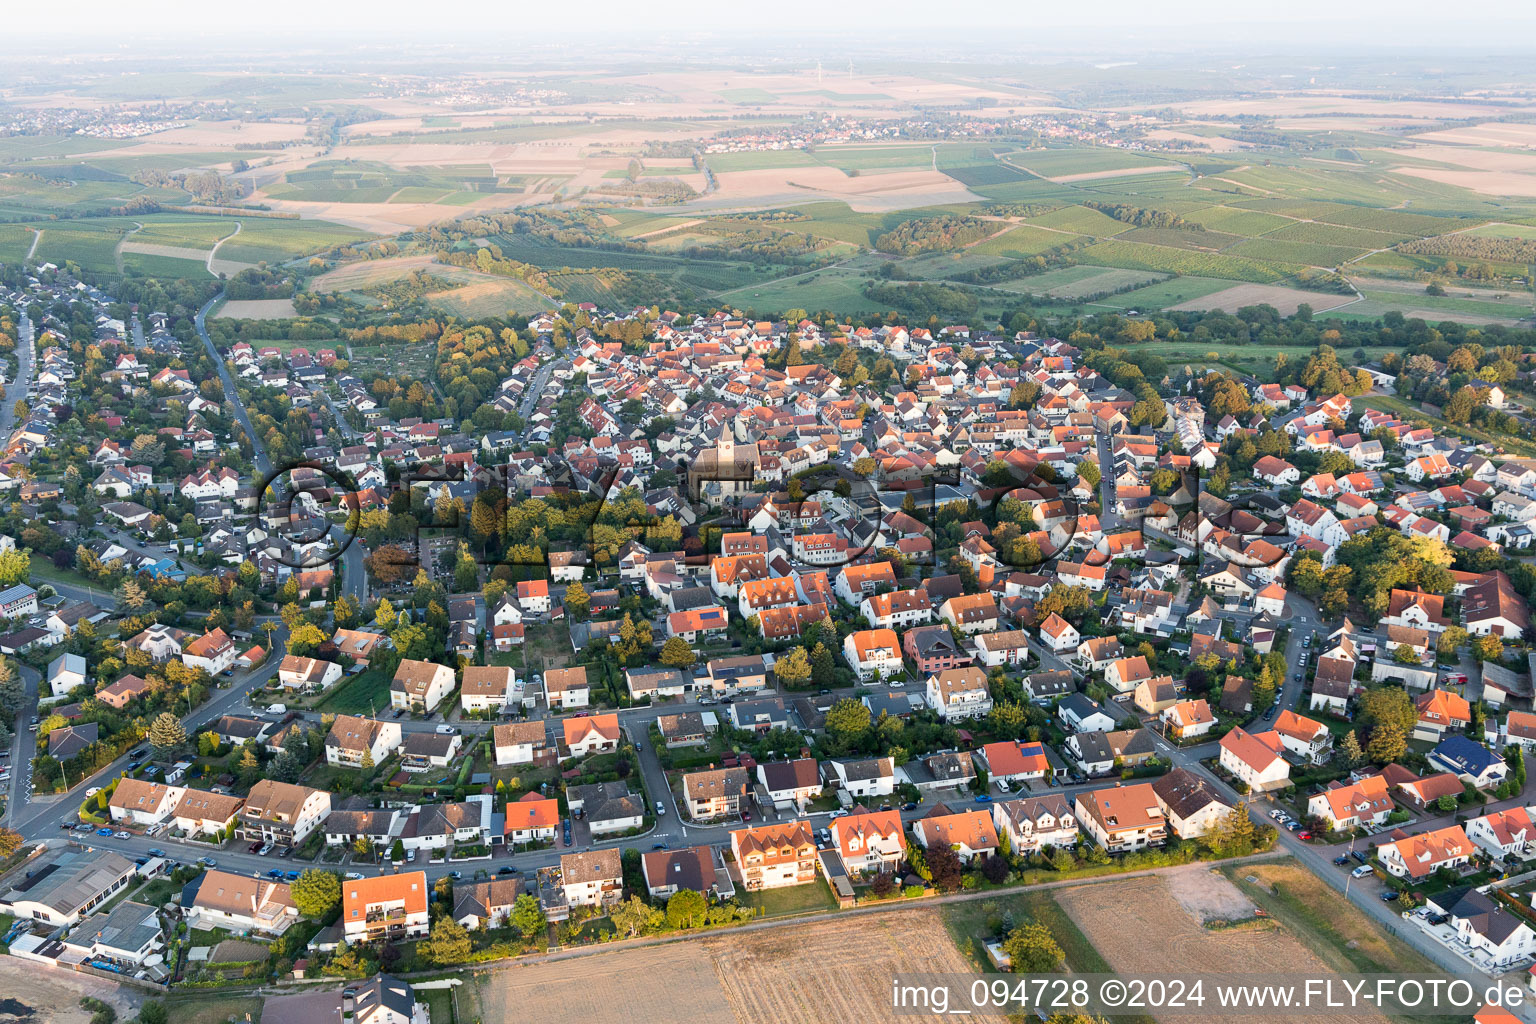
x=1032, y=949
x=686, y=909
x=847, y=718
x=578, y=603
x=316, y=892
x=634, y=917
x=154, y=1012
x=1348, y=751
x=1088, y=473
x=1488, y=648
x=794, y=669
x=166, y=734
x=677, y=654
x=527, y=916
x=448, y=942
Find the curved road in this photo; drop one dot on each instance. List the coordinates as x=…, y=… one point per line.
x=353, y=574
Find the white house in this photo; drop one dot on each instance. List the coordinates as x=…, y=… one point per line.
x=1255, y=759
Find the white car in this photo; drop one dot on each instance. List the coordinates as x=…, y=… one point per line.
x=1002, y=784
x=447, y=730
x=120, y=835
x=1361, y=871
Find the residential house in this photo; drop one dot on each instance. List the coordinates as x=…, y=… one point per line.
x=775, y=856
x=1122, y=818
x=518, y=742
x=595, y=734
x=1420, y=856
x=1190, y=804
x=959, y=693
x=1352, y=805
x=385, y=908
x=716, y=793
x=791, y=784
x=970, y=834
x=1036, y=823
x=420, y=686
x=870, y=842
x=1255, y=759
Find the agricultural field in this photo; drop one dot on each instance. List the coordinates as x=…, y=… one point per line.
x=488, y=296
x=873, y=159
x=1024, y=240
x=1064, y=163
x=1504, y=231
x=839, y=289
x=182, y=232
x=15, y=240
x=1118, y=917
x=833, y=970
x=1285, y=300
x=94, y=250
x=275, y=240
x=141, y=264
x=1135, y=256
x=1166, y=293
x=358, y=181
x=1082, y=220
x=256, y=309
x=1074, y=284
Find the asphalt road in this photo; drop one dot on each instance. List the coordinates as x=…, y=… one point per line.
x=354, y=577
x=39, y=817
x=18, y=388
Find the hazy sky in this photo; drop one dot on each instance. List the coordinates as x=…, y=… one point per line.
x=1499, y=25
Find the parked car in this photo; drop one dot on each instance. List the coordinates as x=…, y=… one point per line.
x=208, y=862
x=1361, y=871
x=275, y=873
x=1392, y=897
x=353, y=876
x=984, y=798
x=155, y=851
x=104, y=832
x=1344, y=859
x=121, y=835
x=1358, y=855
x=447, y=730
